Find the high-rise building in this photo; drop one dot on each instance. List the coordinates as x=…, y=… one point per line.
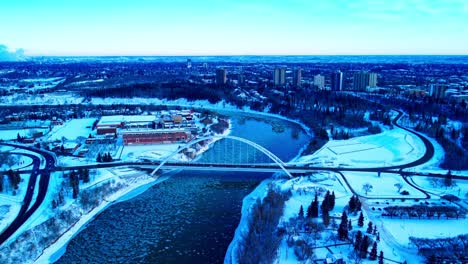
x=221, y=76
x=279, y=76
x=319, y=81
x=363, y=80
x=298, y=77
x=438, y=90
x=241, y=79
x=336, y=81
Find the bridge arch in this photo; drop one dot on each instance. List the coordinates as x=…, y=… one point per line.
x=265, y=151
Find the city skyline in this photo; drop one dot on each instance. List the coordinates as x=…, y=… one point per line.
x=295, y=27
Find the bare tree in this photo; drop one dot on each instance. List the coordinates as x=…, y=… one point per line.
x=398, y=186
x=367, y=187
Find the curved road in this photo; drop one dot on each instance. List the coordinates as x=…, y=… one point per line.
x=25, y=213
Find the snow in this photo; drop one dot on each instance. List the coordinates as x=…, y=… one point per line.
x=54, y=251
x=85, y=82
x=20, y=162
x=72, y=129
x=10, y=204
x=8, y=212
x=12, y=134
x=402, y=230
x=126, y=119
x=41, y=99
x=150, y=152
x=382, y=187
x=259, y=193
x=392, y=147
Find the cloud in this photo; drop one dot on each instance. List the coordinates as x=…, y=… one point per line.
x=7, y=55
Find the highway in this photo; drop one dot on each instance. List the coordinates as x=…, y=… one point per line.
x=50, y=166
x=26, y=211
x=272, y=167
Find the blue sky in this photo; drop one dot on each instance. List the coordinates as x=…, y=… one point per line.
x=231, y=27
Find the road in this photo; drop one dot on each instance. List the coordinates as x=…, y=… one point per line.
x=26, y=211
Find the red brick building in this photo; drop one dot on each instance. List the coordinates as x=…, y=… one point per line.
x=106, y=130
x=155, y=137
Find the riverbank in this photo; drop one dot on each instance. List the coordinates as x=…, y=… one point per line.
x=53, y=252
x=72, y=218
x=59, y=246
x=243, y=227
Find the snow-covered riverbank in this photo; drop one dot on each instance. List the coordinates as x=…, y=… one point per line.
x=139, y=185
x=259, y=193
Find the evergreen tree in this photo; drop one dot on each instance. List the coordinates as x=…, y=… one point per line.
x=332, y=201
x=361, y=220
x=315, y=209
x=350, y=225
x=369, y=228
x=325, y=217
x=352, y=204
x=364, y=246
x=358, y=204
x=1, y=183
x=62, y=149
x=378, y=237
x=312, y=210
x=74, y=183
x=432, y=259
x=86, y=175
x=343, y=228
x=99, y=158
x=326, y=202
x=14, y=178
x=373, y=253
x=448, y=178
x=357, y=240
x=301, y=213
x=381, y=257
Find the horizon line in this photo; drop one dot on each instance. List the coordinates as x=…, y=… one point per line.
x=251, y=55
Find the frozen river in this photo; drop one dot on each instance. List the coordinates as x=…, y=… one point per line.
x=189, y=218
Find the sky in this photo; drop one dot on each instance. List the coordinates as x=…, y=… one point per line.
x=233, y=27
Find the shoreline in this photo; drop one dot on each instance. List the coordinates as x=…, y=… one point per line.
x=258, y=193
x=55, y=250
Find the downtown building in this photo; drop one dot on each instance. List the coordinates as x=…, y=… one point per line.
x=319, y=81
x=279, y=76
x=336, y=81
x=362, y=81
x=221, y=76
x=437, y=91
x=297, y=81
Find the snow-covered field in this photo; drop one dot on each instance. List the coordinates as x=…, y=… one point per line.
x=392, y=147
x=40, y=99
x=149, y=152
x=72, y=129
x=403, y=229
x=13, y=133
x=388, y=185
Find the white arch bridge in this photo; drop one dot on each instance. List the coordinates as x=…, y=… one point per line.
x=232, y=153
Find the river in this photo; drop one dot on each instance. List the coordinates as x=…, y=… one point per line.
x=189, y=218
